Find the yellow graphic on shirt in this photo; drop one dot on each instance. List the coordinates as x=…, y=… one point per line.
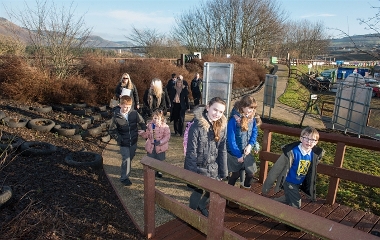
x=303, y=167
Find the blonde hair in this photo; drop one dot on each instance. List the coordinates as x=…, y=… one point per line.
x=310, y=131
x=128, y=84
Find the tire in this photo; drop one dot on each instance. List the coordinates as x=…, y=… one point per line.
x=105, y=138
x=9, y=142
x=15, y=123
x=101, y=108
x=43, y=109
x=5, y=195
x=95, y=131
x=2, y=115
x=79, y=105
x=48, y=124
x=66, y=129
x=72, y=159
x=33, y=148
x=96, y=117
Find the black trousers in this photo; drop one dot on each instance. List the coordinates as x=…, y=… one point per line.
x=197, y=98
x=178, y=118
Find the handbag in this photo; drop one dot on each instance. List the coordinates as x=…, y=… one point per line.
x=113, y=103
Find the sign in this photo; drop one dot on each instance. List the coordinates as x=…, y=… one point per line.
x=313, y=96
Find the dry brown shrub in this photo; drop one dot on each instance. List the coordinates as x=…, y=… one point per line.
x=95, y=84
x=21, y=82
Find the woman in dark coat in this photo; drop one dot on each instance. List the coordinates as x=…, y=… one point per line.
x=154, y=99
x=126, y=83
x=180, y=104
x=206, y=148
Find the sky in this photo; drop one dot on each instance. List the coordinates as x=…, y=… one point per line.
x=113, y=19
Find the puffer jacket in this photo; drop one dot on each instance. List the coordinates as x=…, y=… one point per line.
x=161, y=133
x=123, y=131
x=236, y=139
x=280, y=170
x=205, y=156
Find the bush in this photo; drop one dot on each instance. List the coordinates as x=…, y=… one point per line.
x=97, y=77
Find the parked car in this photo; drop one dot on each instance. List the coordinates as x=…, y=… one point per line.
x=370, y=82
x=374, y=84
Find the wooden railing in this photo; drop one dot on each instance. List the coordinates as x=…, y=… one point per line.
x=213, y=226
x=335, y=171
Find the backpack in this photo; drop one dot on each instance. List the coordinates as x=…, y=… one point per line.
x=186, y=135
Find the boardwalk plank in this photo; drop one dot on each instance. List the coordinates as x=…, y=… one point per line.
x=249, y=224
x=368, y=222
x=353, y=218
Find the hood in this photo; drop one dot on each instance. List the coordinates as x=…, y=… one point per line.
x=203, y=122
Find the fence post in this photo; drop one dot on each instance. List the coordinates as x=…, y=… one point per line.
x=334, y=181
x=267, y=139
x=216, y=218
x=149, y=202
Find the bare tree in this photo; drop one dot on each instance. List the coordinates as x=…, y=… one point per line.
x=244, y=27
x=155, y=44
x=56, y=35
x=304, y=39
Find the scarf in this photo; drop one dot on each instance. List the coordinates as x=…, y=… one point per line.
x=177, y=94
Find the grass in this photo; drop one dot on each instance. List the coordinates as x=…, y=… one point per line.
x=351, y=194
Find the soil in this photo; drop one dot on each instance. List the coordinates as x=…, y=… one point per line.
x=54, y=200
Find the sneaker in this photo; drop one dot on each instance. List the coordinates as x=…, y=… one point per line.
x=159, y=174
x=203, y=211
x=127, y=182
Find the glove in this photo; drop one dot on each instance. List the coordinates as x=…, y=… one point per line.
x=247, y=149
x=156, y=143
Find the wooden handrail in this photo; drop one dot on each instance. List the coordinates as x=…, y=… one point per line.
x=219, y=193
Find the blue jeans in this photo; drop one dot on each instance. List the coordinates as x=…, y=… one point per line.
x=127, y=154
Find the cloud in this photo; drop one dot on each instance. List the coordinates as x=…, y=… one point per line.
x=125, y=19
x=318, y=15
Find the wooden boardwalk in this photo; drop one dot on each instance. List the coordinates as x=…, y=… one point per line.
x=252, y=225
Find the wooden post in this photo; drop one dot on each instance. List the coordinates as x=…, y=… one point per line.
x=334, y=181
x=149, y=202
x=267, y=139
x=216, y=217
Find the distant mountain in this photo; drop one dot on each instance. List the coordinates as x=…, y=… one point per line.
x=8, y=28
x=368, y=40
x=98, y=42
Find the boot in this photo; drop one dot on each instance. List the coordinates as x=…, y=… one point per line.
x=246, y=189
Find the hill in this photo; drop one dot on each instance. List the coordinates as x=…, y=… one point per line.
x=8, y=28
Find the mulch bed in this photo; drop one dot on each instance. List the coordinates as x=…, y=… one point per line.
x=52, y=200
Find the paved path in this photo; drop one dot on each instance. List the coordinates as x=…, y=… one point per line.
x=284, y=112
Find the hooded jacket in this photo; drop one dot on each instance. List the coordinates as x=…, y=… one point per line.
x=205, y=156
x=123, y=131
x=236, y=139
x=160, y=133
x=280, y=170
